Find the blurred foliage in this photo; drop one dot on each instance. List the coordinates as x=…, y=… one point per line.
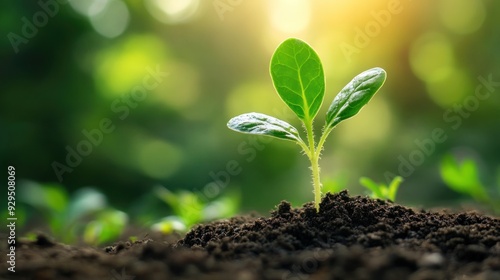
x=81, y=80
x=463, y=177
x=84, y=214
x=189, y=209
x=381, y=190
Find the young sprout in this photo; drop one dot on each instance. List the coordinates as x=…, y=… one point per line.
x=85, y=213
x=297, y=74
x=382, y=191
x=190, y=208
x=463, y=177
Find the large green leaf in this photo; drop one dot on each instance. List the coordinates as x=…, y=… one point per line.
x=256, y=123
x=298, y=77
x=354, y=96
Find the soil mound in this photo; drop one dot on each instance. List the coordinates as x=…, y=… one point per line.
x=350, y=238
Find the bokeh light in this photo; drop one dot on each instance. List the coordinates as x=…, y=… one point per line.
x=216, y=55
x=123, y=65
x=290, y=16
x=88, y=8
x=112, y=20
x=462, y=17
x=181, y=90
x=158, y=159
x=432, y=57
x=172, y=11
x=109, y=18
x=450, y=89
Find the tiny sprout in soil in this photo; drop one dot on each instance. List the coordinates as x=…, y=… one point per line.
x=380, y=190
x=463, y=177
x=189, y=209
x=298, y=77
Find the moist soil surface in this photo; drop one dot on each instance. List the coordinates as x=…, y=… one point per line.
x=350, y=238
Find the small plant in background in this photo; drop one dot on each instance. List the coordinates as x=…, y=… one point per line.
x=190, y=209
x=380, y=190
x=335, y=183
x=86, y=212
x=297, y=74
x=463, y=177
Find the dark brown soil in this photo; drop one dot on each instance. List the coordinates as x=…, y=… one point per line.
x=350, y=238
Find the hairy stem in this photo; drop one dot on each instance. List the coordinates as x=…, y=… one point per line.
x=316, y=180
x=314, y=158
x=322, y=140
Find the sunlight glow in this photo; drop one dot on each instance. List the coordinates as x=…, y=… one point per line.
x=172, y=11
x=290, y=16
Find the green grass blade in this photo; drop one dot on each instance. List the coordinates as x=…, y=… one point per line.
x=298, y=77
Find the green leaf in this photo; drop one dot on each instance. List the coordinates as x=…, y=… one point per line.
x=463, y=177
x=372, y=186
x=108, y=226
x=260, y=124
x=44, y=197
x=393, y=187
x=298, y=77
x=355, y=95
x=170, y=224
x=451, y=175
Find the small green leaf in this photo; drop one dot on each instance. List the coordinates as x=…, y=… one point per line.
x=393, y=188
x=463, y=177
x=372, y=186
x=451, y=175
x=170, y=224
x=298, y=77
x=107, y=226
x=354, y=96
x=260, y=124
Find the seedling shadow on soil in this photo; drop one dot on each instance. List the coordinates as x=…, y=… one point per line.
x=349, y=238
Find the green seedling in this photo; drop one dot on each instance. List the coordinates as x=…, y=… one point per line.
x=297, y=74
x=380, y=190
x=106, y=226
x=86, y=212
x=463, y=177
x=190, y=209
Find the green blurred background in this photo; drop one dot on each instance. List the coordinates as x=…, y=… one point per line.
x=83, y=62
